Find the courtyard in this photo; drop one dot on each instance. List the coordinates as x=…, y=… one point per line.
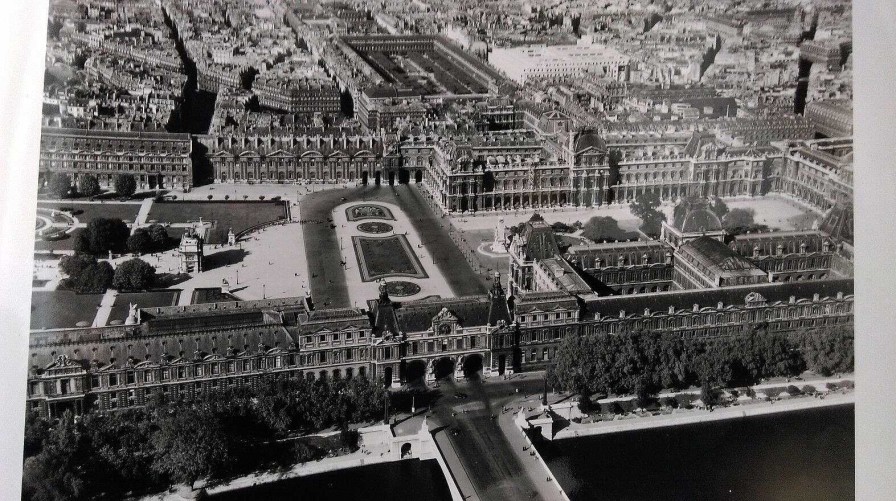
x=374, y=251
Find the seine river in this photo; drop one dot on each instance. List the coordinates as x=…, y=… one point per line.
x=410, y=480
x=801, y=455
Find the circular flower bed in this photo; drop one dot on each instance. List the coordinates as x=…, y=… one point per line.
x=375, y=227
x=402, y=288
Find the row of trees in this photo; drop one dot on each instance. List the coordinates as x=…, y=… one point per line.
x=227, y=433
x=85, y=274
x=645, y=363
x=111, y=234
x=60, y=185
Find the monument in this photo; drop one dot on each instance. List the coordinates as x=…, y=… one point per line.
x=499, y=244
x=191, y=252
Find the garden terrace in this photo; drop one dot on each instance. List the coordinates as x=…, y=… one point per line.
x=62, y=309
x=236, y=215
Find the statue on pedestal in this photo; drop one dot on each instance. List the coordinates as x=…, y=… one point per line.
x=498, y=245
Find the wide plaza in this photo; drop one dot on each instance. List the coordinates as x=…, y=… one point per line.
x=298, y=240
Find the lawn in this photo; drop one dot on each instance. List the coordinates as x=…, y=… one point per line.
x=384, y=257
x=66, y=244
x=224, y=215
x=125, y=211
x=149, y=299
x=60, y=309
x=209, y=295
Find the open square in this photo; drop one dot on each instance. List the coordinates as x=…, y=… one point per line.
x=386, y=257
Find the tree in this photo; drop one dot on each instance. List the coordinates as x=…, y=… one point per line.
x=85, y=274
x=140, y=242
x=37, y=430
x=60, y=185
x=56, y=472
x=208, y=197
x=89, y=186
x=719, y=208
x=738, y=218
x=190, y=444
x=121, y=450
x=645, y=209
x=134, y=274
x=125, y=185
x=600, y=228
x=159, y=236
x=103, y=235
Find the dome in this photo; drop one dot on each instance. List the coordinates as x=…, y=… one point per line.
x=589, y=139
x=699, y=220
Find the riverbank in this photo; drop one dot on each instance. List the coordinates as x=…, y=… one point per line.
x=683, y=417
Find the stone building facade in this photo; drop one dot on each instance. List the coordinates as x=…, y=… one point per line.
x=157, y=160
x=183, y=352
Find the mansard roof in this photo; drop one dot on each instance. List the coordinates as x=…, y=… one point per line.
x=540, y=240
x=528, y=302
x=718, y=257
x=729, y=296
x=417, y=316
x=112, y=347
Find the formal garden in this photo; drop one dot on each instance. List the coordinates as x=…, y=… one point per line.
x=386, y=256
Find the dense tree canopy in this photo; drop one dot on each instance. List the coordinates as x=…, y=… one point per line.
x=140, y=242
x=85, y=274
x=125, y=185
x=102, y=235
x=600, y=228
x=88, y=186
x=645, y=209
x=639, y=363
x=134, y=274
x=159, y=236
x=60, y=185
x=233, y=431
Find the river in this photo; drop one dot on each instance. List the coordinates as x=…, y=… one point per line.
x=410, y=480
x=789, y=456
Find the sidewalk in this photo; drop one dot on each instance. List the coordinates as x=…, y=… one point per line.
x=683, y=417
x=536, y=469
x=456, y=468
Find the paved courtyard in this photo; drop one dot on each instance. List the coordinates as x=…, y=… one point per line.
x=397, y=256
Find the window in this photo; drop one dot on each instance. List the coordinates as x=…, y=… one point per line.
x=166, y=375
x=307, y=339
x=148, y=376
x=387, y=353
x=65, y=387
x=113, y=379
x=131, y=377
x=472, y=341
x=94, y=382
x=335, y=337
